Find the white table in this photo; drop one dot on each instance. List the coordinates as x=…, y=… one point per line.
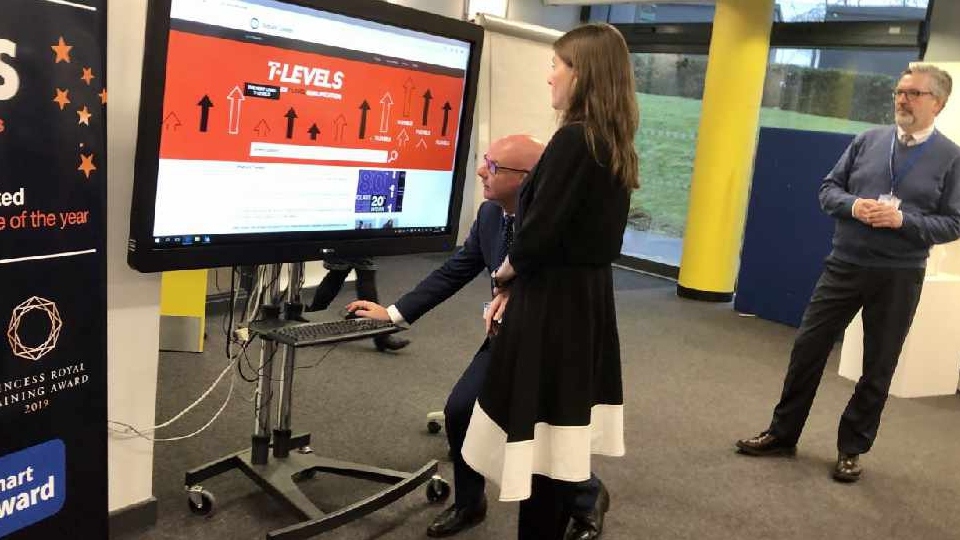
x=930, y=361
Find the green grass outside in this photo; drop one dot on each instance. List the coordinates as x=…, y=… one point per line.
x=666, y=143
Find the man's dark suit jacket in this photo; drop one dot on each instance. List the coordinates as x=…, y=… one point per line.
x=480, y=251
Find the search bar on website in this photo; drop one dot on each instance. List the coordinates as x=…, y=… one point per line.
x=317, y=153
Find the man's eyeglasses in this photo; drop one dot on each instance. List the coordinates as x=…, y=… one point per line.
x=493, y=166
x=910, y=94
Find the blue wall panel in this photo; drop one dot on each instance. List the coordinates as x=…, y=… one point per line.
x=787, y=235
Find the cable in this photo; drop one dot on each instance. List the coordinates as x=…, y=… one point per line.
x=142, y=431
x=322, y=358
x=246, y=360
x=141, y=434
x=232, y=307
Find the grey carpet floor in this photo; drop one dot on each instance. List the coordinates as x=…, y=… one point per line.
x=697, y=377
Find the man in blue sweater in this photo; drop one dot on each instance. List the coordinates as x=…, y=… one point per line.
x=894, y=193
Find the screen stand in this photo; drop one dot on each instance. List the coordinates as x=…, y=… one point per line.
x=292, y=459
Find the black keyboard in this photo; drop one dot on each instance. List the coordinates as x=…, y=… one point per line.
x=301, y=335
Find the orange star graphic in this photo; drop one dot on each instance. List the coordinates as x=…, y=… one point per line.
x=86, y=165
x=62, y=98
x=87, y=75
x=62, y=50
x=84, y=115
x=103, y=97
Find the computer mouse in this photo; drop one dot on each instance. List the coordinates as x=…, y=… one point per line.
x=347, y=314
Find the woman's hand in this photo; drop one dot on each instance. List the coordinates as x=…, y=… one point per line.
x=504, y=274
x=494, y=314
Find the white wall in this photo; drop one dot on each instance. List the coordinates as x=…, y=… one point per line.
x=561, y=18
x=513, y=95
x=133, y=299
x=944, y=49
x=944, y=43
x=447, y=8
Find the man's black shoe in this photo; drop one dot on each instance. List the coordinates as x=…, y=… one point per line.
x=390, y=343
x=589, y=526
x=847, y=468
x=765, y=444
x=453, y=519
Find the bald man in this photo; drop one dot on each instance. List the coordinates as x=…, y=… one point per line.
x=502, y=170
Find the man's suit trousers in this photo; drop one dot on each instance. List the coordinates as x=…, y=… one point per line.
x=888, y=297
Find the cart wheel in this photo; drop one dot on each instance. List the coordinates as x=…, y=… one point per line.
x=438, y=489
x=200, y=501
x=434, y=427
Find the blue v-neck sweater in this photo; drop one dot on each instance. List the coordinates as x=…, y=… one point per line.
x=928, y=184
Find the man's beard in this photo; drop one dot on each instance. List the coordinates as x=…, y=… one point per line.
x=905, y=119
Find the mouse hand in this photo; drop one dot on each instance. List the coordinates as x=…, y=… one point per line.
x=370, y=310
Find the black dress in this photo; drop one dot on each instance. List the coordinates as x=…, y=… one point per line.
x=553, y=394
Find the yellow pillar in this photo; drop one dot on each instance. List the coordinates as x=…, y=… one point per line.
x=183, y=303
x=726, y=142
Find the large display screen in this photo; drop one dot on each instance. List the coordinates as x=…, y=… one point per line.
x=276, y=131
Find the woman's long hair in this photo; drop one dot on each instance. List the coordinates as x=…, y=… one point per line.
x=603, y=98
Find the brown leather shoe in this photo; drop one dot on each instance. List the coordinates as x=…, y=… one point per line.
x=764, y=445
x=847, y=468
x=453, y=519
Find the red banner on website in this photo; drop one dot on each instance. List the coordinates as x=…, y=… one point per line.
x=232, y=101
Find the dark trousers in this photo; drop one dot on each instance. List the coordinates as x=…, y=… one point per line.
x=333, y=282
x=545, y=515
x=888, y=297
x=469, y=484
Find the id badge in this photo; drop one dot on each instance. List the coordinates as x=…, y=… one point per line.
x=486, y=306
x=889, y=199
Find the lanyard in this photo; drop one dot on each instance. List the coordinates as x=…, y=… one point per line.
x=897, y=176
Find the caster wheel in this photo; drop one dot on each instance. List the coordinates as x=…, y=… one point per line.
x=434, y=427
x=200, y=501
x=438, y=489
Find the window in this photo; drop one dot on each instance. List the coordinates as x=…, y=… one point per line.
x=838, y=90
x=783, y=11
x=844, y=10
x=669, y=92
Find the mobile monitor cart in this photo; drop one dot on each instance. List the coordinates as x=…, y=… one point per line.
x=277, y=460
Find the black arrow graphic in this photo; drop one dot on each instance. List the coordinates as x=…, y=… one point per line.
x=427, y=96
x=205, y=105
x=364, y=107
x=262, y=128
x=446, y=118
x=291, y=117
x=313, y=131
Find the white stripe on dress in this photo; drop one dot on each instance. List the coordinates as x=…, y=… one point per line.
x=560, y=452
